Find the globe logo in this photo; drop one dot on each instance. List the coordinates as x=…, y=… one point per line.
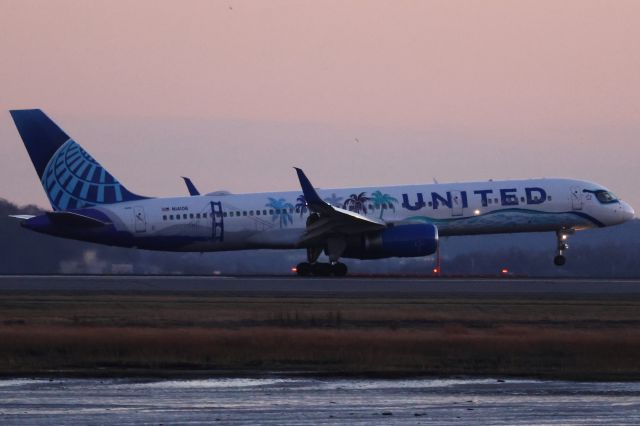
x=73, y=180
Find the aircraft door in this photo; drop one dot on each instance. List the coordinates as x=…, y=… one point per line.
x=457, y=206
x=139, y=219
x=576, y=198
x=217, y=221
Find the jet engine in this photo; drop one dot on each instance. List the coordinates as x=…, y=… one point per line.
x=411, y=240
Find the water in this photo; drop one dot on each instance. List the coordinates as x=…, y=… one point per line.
x=285, y=401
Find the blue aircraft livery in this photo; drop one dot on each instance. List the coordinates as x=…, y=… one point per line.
x=90, y=204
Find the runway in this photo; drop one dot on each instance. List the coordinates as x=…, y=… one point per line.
x=287, y=285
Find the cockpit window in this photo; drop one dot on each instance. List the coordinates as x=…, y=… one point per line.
x=605, y=197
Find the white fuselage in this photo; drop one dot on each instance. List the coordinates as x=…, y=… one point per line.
x=278, y=219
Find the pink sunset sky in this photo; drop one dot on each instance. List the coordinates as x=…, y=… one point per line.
x=234, y=93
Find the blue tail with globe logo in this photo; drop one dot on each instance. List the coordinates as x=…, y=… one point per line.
x=70, y=176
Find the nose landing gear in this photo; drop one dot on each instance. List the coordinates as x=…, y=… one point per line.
x=559, y=260
x=561, y=237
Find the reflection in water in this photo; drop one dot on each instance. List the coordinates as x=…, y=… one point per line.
x=317, y=401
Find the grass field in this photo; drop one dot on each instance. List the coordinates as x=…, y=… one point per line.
x=157, y=335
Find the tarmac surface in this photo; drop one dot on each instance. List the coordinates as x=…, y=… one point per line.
x=286, y=401
x=308, y=286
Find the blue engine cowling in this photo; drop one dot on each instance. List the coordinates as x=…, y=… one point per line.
x=411, y=240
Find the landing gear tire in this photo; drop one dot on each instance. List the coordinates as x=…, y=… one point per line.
x=559, y=260
x=339, y=269
x=304, y=269
x=321, y=269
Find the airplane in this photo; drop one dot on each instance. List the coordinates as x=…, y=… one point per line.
x=90, y=204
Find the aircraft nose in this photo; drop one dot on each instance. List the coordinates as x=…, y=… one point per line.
x=627, y=212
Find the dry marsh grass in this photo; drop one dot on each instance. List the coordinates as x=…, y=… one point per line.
x=572, y=338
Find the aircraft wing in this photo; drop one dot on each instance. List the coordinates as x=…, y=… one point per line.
x=332, y=220
x=193, y=191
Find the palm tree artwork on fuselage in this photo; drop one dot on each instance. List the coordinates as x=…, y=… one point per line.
x=301, y=205
x=280, y=211
x=382, y=202
x=356, y=203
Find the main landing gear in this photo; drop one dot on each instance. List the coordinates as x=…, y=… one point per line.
x=335, y=247
x=561, y=237
x=320, y=269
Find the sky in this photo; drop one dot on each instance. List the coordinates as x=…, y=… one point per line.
x=358, y=93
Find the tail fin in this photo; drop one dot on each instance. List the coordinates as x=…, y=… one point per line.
x=70, y=176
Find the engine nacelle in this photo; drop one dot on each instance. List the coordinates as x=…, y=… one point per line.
x=411, y=240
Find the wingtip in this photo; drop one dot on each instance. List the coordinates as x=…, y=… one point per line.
x=18, y=111
x=300, y=173
x=308, y=190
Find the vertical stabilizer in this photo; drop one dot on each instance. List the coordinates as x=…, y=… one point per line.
x=70, y=176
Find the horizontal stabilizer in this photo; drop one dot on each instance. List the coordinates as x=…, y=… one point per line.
x=74, y=219
x=21, y=216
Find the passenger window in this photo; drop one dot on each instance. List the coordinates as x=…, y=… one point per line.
x=270, y=211
x=164, y=217
x=430, y=204
x=197, y=215
x=489, y=200
x=171, y=217
x=204, y=215
x=257, y=212
x=190, y=215
x=184, y=216
x=264, y=212
x=250, y=212
x=244, y=213
x=230, y=214
x=238, y=214
x=495, y=200
x=277, y=211
x=522, y=199
x=225, y=214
